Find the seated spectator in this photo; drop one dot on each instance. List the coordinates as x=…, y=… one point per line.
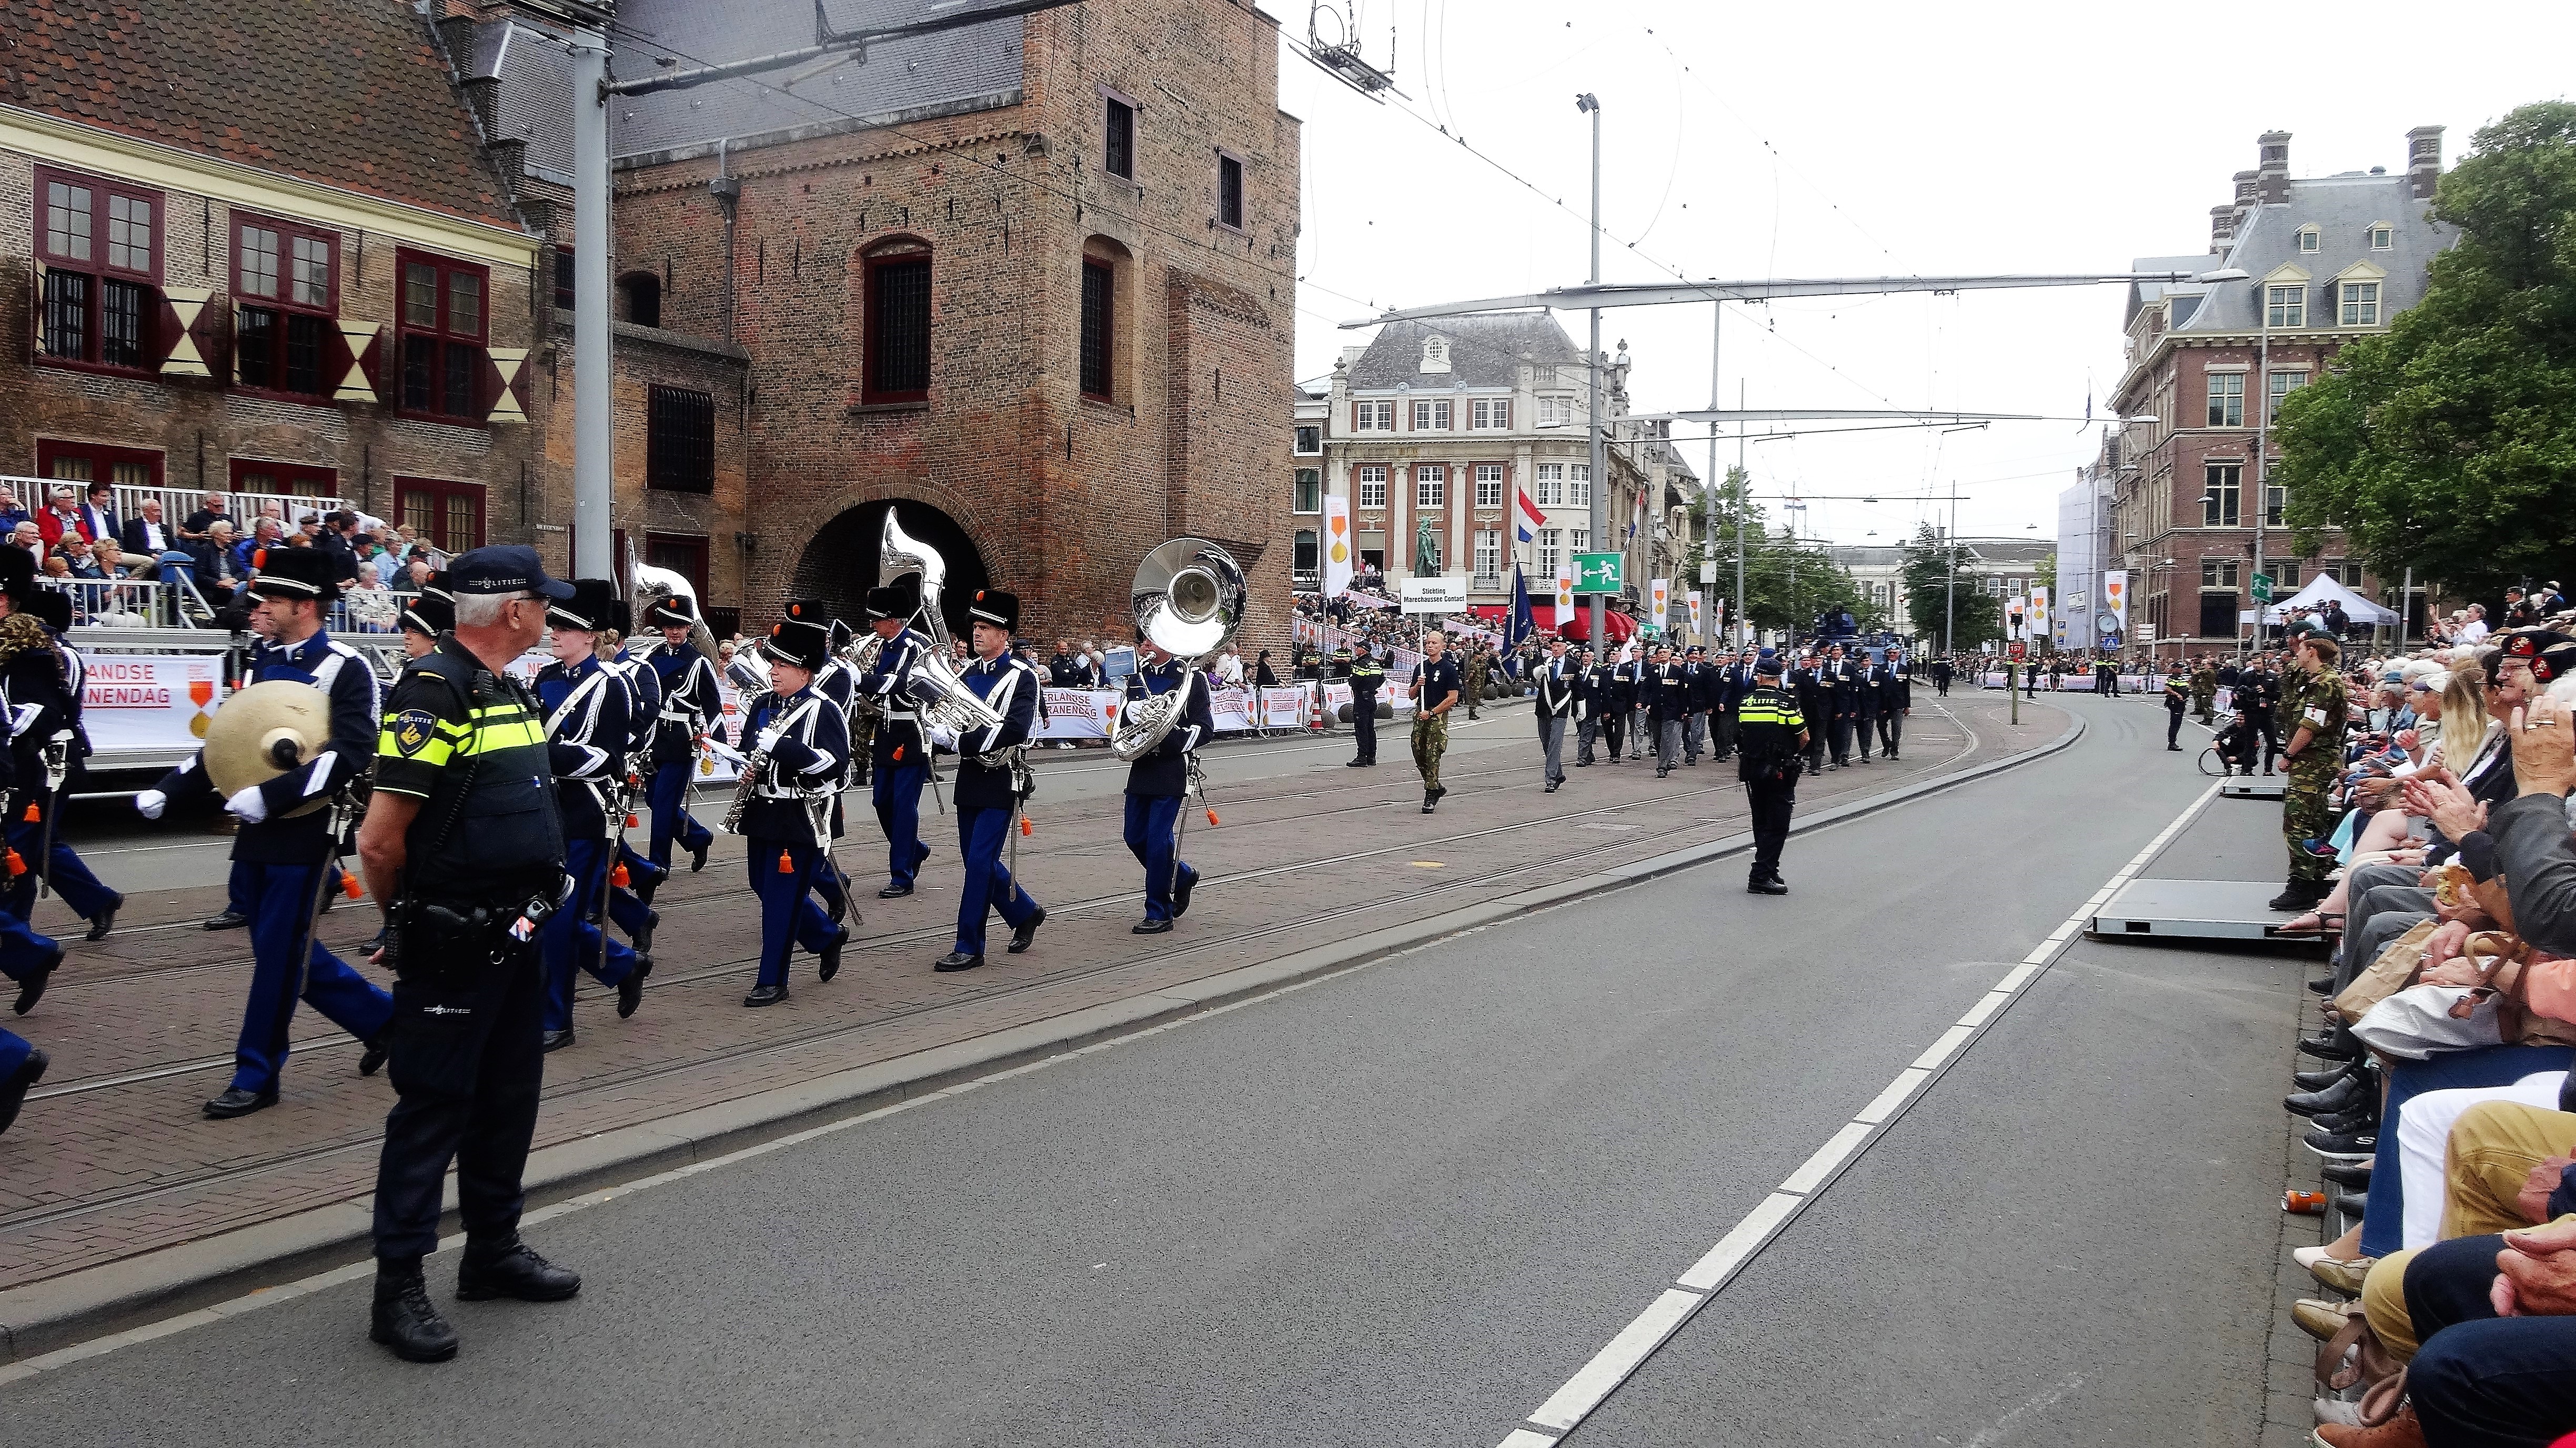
x=266, y=533
x=110, y=561
x=76, y=555
x=60, y=518
x=212, y=509
x=11, y=514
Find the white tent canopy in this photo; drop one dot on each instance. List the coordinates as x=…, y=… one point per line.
x=2323, y=587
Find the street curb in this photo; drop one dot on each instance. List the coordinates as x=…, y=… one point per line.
x=129, y=1297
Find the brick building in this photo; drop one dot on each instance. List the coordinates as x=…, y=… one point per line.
x=260, y=255
x=2302, y=268
x=1027, y=283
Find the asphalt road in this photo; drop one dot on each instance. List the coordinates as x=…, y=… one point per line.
x=1405, y=1204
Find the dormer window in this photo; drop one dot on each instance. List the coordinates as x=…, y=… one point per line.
x=1435, y=354
x=2310, y=239
x=2361, y=304
x=2285, y=306
x=2383, y=237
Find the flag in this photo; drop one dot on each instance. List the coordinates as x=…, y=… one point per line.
x=1521, y=625
x=1694, y=597
x=1530, y=518
x=2039, y=625
x=1337, y=545
x=1661, y=590
x=1564, y=594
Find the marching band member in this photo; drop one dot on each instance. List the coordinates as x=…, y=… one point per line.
x=691, y=706
x=838, y=682
x=586, y=710
x=1158, y=785
x=802, y=746
x=51, y=677
x=900, y=752
x=26, y=958
x=276, y=860
x=988, y=795
x=630, y=904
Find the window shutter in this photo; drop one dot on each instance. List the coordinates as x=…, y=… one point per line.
x=36, y=310
x=508, y=365
x=361, y=375
x=183, y=310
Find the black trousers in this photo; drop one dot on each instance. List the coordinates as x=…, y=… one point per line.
x=2483, y=1381
x=1891, y=728
x=2270, y=729
x=1838, y=737
x=1364, y=724
x=1614, y=728
x=2173, y=726
x=468, y=1059
x=1721, y=725
x=1865, y=730
x=1772, y=801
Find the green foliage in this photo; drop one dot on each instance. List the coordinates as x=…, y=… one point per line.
x=1927, y=597
x=2449, y=443
x=1788, y=582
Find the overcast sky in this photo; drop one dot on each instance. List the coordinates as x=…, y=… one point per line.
x=1860, y=139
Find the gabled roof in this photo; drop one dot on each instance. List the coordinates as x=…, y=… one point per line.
x=349, y=93
x=1484, y=351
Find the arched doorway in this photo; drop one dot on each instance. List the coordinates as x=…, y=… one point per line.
x=840, y=565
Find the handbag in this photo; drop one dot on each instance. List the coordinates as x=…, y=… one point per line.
x=2424, y=1021
x=2387, y=975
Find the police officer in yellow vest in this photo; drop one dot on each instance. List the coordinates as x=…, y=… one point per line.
x=465, y=839
x=1771, y=742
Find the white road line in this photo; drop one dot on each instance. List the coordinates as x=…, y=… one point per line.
x=1571, y=1404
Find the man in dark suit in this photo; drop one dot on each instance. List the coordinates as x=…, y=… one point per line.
x=1894, y=685
x=98, y=516
x=1559, y=682
x=1815, y=702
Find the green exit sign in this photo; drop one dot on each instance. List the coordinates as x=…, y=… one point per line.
x=1598, y=572
x=2262, y=588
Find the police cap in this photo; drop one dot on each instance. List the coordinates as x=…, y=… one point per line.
x=503, y=569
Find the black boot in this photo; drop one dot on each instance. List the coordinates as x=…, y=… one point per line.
x=2342, y=1096
x=2299, y=895
x=404, y=1319
x=2319, y=1080
x=508, y=1267
x=2334, y=1045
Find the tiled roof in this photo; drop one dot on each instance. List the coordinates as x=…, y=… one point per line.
x=351, y=93
x=1484, y=351
x=2342, y=209
x=941, y=73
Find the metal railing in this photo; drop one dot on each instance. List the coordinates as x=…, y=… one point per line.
x=176, y=503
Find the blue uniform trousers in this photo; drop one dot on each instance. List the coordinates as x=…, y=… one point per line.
x=21, y=949
x=981, y=833
x=788, y=915
x=1151, y=838
x=71, y=879
x=14, y=1051
x=896, y=790
x=279, y=896
x=626, y=905
x=569, y=940
x=669, y=795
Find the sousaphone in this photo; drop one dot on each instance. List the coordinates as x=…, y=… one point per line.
x=1188, y=596
x=262, y=732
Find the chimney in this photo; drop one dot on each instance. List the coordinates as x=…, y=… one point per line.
x=2423, y=161
x=2222, y=229
x=2272, y=172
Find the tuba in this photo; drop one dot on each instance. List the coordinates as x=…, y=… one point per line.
x=942, y=698
x=651, y=585
x=1189, y=596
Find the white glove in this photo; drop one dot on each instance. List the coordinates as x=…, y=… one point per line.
x=769, y=740
x=249, y=804
x=150, y=803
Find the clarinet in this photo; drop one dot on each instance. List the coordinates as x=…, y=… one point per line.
x=749, y=784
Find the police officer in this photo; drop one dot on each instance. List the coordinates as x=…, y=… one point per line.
x=2315, y=707
x=1895, y=697
x=279, y=863
x=692, y=705
x=1559, y=681
x=44, y=682
x=588, y=724
x=900, y=752
x=1772, y=734
x=1368, y=675
x=989, y=794
x=1158, y=785
x=463, y=837
x=2177, y=698
x=802, y=744
x=1436, y=686
x=1941, y=672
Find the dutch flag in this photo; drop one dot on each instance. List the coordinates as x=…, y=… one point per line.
x=1530, y=517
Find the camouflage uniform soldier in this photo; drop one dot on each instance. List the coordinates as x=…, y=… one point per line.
x=2314, y=709
x=2204, y=692
x=1479, y=663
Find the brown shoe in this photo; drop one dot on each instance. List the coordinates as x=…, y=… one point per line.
x=2401, y=1431
x=2343, y=1277
x=2321, y=1319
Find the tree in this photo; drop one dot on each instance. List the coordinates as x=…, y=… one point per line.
x=1786, y=582
x=2448, y=443
x=1927, y=596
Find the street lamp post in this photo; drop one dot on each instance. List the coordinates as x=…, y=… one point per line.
x=1589, y=105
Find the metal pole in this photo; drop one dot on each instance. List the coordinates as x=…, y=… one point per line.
x=2406, y=609
x=1708, y=552
x=2262, y=436
x=593, y=473
x=1592, y=371
x=1744, y=639
x=1950, y=590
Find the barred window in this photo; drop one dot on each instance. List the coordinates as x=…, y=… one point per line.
x=284, y=323
x=100, y=252
x=680, y=440
x=898, y=327
x=1099, y=300
x=440, y=336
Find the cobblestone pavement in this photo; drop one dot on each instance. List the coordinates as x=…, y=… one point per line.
x=112, y=1158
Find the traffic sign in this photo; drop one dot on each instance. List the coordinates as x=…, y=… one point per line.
x=2019, y=650
x=1599, y=572
x=2262, y=588
x=2146, y=633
